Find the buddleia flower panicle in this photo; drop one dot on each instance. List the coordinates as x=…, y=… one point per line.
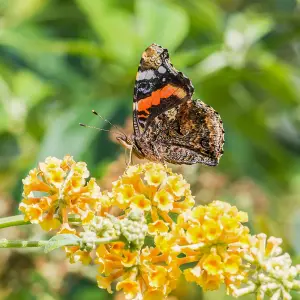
x=154, y=189
x=268, y=271
x=208, y=237
x=58, y=187
x=147, y=272
x=157, y=235
x=140, y=274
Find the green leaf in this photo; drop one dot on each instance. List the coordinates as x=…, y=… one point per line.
x=154, y=27
x=275, y=76
x=30, y=88
x=135, y=32
x=61, y=240
x=244, y=30
x=19, y=11
x=9, y=149
x=65, y=136
x=109, y=21
x=207, y=19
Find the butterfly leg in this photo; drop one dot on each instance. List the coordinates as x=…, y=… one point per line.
x=125, y=156
x=130, y=156
x=130, y=160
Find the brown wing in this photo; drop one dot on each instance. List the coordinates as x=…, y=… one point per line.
x=194, y=134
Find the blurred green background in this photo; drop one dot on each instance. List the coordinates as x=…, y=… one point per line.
x=59, y=59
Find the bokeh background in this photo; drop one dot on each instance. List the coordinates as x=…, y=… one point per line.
x=59, y=59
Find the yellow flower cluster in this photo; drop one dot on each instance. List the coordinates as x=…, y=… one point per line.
x=209, y=236
x=212, y=236
x=56, y=188
x=157, y=234
x=147, y=273
x=154, y=189
x=144, y=274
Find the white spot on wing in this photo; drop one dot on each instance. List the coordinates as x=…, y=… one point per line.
x=148, y=74
x=162, y=70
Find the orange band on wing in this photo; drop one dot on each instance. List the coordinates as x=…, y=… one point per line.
x=155, y=98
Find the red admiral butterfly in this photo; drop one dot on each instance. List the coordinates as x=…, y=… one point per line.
x=168, y=125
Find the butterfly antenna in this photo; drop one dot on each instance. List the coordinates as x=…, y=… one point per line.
x=100, y=129
x=105, y=120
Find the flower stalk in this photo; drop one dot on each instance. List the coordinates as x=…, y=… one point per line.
x=19, y=220
x=13, y=221
x=4, y=243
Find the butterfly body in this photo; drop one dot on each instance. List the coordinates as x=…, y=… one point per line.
x=168, y=125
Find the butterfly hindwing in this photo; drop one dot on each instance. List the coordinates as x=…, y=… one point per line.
x=186, y=134
x=194, y=134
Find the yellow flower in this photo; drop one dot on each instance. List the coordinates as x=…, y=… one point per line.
x=154, y=294
x=232, y=263
x=211, y=282
x=140, y=201
x=212, y=264
x=107, y=262
x=164, y=200
x=130, y=287
x=33, y=213
x=177, y=185
x=105, y=282
x=158, y=227
x=198, y=213
x=206, y=281
x=157, y=276
x=66, y=229
x=50, y=223
x=56, y=188
x=194, y=234
x=52, y=171
x=87, y=216
x=155, y=177
x=165, y=242
x=129, y=259
x=124, y=194
x=211, y=230
x=76, y=255
x=33, y=183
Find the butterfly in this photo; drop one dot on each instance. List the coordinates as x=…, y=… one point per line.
x=168, y=125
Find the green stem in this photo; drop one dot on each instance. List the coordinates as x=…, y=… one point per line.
x=13, y=221
x=4, y=243
x=19, y=220
x=106, y=240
